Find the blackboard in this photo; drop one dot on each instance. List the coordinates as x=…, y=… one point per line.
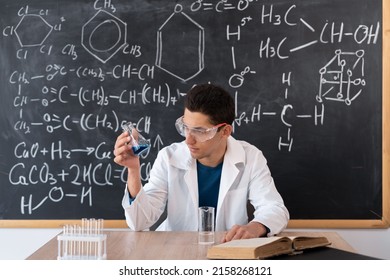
x=306, y=76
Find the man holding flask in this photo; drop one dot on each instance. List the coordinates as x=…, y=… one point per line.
x=210, y=168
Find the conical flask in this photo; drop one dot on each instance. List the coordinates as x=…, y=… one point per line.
x=140, y=145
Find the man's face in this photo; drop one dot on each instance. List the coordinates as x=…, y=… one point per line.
x=203, y=150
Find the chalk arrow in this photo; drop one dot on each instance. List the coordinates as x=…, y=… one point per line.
x=88, y=150
x=158, y=142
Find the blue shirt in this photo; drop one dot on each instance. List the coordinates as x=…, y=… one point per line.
x=208, y=184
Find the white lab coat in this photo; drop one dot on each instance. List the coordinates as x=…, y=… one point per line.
x=173, y=181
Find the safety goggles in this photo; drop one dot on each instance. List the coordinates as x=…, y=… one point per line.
x=200, y=134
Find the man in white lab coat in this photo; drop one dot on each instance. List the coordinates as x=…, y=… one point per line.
x=209, y=168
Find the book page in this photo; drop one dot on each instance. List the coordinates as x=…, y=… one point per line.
x=306, y=242
x=249, y=243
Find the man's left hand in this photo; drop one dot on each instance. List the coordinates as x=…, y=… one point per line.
x=250, y=230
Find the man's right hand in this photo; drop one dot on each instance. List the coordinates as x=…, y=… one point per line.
x=124, y=156
x=123, y=153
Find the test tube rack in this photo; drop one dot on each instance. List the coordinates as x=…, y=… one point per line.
x=85, y=242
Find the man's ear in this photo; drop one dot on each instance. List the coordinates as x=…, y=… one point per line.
x=227, y=130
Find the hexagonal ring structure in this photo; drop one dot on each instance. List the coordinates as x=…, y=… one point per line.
x=103, y=47
x=32, y=30
x=180, y=51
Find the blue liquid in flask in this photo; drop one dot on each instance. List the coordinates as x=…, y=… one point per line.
x=139, y=149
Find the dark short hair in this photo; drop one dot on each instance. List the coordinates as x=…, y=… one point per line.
x=213, y=101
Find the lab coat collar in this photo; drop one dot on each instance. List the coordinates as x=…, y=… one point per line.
x=181, y=158
x=235, y=152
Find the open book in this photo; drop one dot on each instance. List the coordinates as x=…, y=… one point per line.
x=264, y=247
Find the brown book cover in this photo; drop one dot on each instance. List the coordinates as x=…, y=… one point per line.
x=265, y=247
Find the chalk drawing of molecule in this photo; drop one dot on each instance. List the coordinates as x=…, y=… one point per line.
x=103, y=35
x=32, y=30
x=342, y=78
x=180, y=46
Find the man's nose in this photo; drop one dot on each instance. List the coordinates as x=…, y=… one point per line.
x=190, y=139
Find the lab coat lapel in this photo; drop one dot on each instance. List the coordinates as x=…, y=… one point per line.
x=229, y=174
x=191, y=180
x=234, y=155
x=182, y=159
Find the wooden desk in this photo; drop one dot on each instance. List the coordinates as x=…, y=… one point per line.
x=152, y=245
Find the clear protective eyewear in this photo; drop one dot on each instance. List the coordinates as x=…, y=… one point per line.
x=200, y=134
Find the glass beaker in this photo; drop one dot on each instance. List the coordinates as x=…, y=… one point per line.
x=141, y=145
x=206, y=225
